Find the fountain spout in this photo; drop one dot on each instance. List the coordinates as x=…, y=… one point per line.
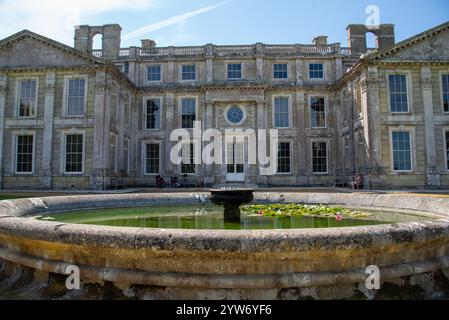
x=232, y=199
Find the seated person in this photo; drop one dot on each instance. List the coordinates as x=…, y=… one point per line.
x=358, y=182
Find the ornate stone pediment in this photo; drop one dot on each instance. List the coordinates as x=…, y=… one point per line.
x=432, y=45
x=27, y=49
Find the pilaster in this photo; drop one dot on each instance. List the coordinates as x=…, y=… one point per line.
x=262, y=123
x=49, y=105
x=209, y=63
x=169, y=127
x=374, y=114
x=302, y=142
x=99, y=172
x=299, y=69
x=209, y=124
x=3, y=87
x=433, y=177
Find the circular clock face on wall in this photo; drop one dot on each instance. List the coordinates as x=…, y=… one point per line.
x=235, y=115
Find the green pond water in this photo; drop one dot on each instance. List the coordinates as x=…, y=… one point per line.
x=211, y=217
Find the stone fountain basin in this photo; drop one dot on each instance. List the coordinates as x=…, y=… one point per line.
x=265, y=264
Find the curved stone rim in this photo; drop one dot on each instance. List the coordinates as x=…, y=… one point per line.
x=16, y=220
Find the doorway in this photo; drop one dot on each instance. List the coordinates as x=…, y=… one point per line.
x=235, y=162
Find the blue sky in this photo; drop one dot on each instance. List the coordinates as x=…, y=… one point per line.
x=188, y=22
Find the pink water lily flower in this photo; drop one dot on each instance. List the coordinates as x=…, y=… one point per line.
x=260, y=213
x=339, y=217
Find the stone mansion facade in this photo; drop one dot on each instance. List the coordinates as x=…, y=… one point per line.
x=78, y=118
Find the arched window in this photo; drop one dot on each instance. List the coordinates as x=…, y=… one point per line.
x=371, y=40
x=97, y=42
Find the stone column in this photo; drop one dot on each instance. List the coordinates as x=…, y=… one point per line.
x=302, y=147
x=136, y=137
x=260, y=53
x=169, y=127
x=99, y=162
x=169, y=74
x=209, y=63
x=299, y=70
x=132, y=71
x=433, y=176
x=122, y=97
x=209, y=171
x=262, y=123
x=338, y=68
x=3, y=83
x=46, y=175
x=373, y=127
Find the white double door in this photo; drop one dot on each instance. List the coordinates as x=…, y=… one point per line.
x=235, y=161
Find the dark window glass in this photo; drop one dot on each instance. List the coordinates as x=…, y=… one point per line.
x=188, y=113
x=445, y=80
x=24, y=154
x=281, y=112
x=319, y=156
x=234, y=71
x=74, y=153
x=398, y=93
x=402, y=152
x=316, y=71
x=154, y=73
x=76, y=97
x=27, y=99
x=318, y=113
x=189, y=72
x=152, y=159
x=280, y=70
x=447, y=150
x=284, y=157
x=235, y=115
x=153, y=114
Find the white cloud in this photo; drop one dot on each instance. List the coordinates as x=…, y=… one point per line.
x=56, y=18
x=179, y=19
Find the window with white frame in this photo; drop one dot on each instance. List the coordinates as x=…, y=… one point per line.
x=152, y=158
x=187, y=156
x=281, y=112
x=234, y=71
x=280, y=71
x=76, y=97
x=316, y=71
x=189, y=72
x=24, y=153
x=73, y=160
x=319, y=157
x=318, y=112
x=188, y=112
x=27, y=98
x=445, y=87
x=447, y=149
x=154, y=73
x=402, y=151
x=284, y=156
x=153, y=114
x=398, y=93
